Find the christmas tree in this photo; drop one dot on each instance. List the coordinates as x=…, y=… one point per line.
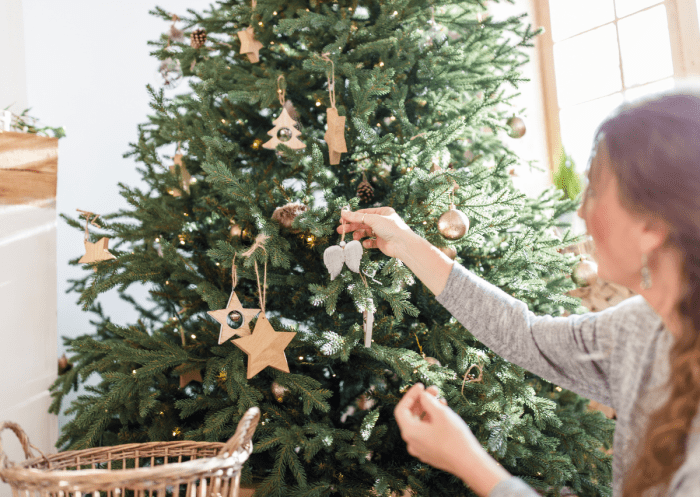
x=231, y=243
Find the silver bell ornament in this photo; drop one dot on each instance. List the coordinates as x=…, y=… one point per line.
x=453, y=224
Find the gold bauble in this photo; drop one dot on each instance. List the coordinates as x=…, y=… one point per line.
x=517, y=127
x=585, y=273
x=235, y=230
x=453, y=224
x=278, y=391
x=450, y=252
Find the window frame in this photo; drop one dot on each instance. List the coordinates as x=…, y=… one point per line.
x=684, y=32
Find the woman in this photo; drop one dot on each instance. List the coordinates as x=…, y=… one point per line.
x=642, y=357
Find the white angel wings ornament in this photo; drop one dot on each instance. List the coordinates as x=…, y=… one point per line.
x=349, y=254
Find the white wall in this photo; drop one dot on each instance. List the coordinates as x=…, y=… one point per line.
x=87, y=66
x=13, y=81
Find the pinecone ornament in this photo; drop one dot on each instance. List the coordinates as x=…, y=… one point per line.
x=365, y=190
x=198, y=38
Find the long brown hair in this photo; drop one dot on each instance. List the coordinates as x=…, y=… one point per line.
x=653, y=147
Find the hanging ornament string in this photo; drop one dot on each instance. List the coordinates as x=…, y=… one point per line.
x=234, y=273
x=480, y=379
x=259, y=243
x=331, y=79
x=280, y=91
x=88, y=222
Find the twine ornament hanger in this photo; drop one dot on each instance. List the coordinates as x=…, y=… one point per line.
x=235, y=311
x=94, y=252
x=265, y=347
x=249, y=45
x=335, y=136
x=285, y=130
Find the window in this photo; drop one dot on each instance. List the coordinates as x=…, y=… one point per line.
x=599, y=53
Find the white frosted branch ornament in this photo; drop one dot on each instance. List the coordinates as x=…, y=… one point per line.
x=349, y=254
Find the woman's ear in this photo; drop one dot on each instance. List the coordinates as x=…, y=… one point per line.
x=654, y=234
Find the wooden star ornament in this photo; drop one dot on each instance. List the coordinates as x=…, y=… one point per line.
x=265, y=347
x=96, y=252
x=249, y=45
x=335, y=136
x=226, y=332
x=186, y=378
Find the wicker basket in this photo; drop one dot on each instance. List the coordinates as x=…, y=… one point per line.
x=156, y=469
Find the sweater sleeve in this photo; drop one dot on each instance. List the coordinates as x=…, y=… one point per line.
x=573, y=352
x=513, y=487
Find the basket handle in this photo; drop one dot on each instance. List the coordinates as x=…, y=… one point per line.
x=23, y=439
x=244, y=432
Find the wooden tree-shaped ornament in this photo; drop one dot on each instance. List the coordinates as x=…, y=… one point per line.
x=94, y=252
x=285, y=132
x=184, y=174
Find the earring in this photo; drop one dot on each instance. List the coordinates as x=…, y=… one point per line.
x=646, y=274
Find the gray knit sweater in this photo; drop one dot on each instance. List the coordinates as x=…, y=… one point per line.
x=627, y=347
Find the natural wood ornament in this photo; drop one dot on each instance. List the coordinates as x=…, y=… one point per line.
x=191, y=375
x=94, y=252
x=234, y=305
x=184, y=175
x=335, y=135
x=265, y=347
x=249, y=45
x=285, y=130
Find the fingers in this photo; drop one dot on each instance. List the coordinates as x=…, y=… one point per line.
x=361, y=233
x=431, y=405
x=404, y=409
x=433, y=390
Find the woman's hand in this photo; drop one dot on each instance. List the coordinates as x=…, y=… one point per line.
x=433, y=432
x=384, y=223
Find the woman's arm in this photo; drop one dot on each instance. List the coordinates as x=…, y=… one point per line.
x=573, y=352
